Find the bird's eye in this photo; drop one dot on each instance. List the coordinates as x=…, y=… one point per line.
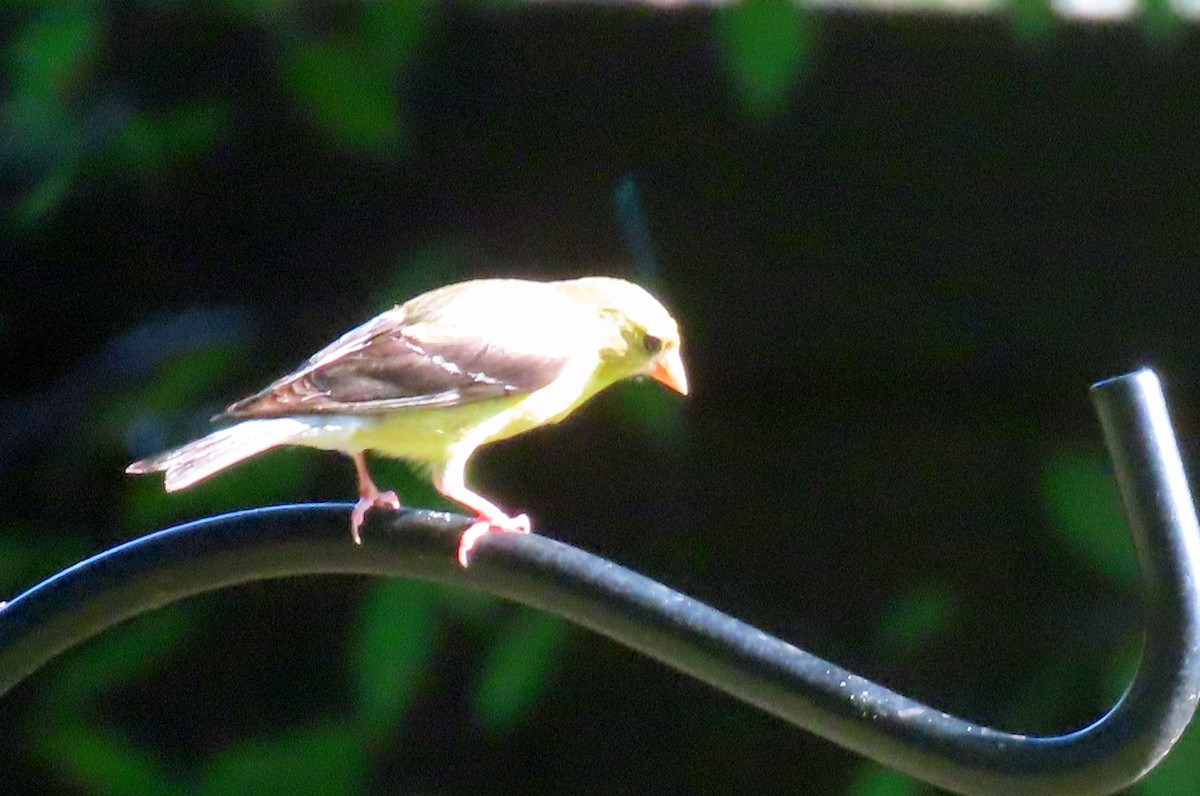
x=653, y=344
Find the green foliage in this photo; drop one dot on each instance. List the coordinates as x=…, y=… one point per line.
x=99, y=759
x=183, y=381
x=53, y=50
x=327, y=758
x=1033, y=21
x=48, y=61
x=152, y=143
x=62, y=123
x=764, y=44
x=274, y=477
x=348, y=85
x=397, y=635
x=419, y=272
x=517, y=669
x=1082, y=499
x=27, y=557
x=1162, y=21
x=180, y=385
x=871, y=779
x=1179, y=772
x=67, y=123
x=121, y=656
x=366, y=118
x=913, y=618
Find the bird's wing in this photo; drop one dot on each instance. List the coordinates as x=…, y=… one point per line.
x=388, y=365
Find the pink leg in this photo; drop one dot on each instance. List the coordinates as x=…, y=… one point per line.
x=491, y=518
x=369, y=497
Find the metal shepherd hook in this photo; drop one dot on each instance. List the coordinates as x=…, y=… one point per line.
x=752, y=666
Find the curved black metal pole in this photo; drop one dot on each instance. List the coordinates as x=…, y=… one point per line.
x=765, y=671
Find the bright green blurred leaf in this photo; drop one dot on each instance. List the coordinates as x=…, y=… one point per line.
x=320, y=760
x=48, y=62
x=49, y=55
x=764, y=44
x=874, y=780
x=397, y=635
x=1033, y=21
x=345, y=94
x=1081, y=497
x=912, y=618
x=181, y=382
x=96, y=759
x=1179, y=771
x=517, y=668
x=121, y=655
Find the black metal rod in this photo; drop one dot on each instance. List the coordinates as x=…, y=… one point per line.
x=778, y=677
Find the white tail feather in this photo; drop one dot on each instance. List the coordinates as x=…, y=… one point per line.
x=198, y=460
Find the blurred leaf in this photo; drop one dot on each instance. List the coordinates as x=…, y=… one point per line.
x=121, y=655
x=27, y=558
x=871, y=779
x=45, y=197
x=518, y=666
x=1033, y=21
x=764, y=44
x=393, y=31
x=317, y=760
x=1083, y=503
x=911, y=619
x=1161, y=21
x=44, y=136
x=49, y=55
x=396, y=638
x=149, y=144
x=98, y=760
x=345, y=94
x=179, y=383
x=421, y=271
x=1179, y=772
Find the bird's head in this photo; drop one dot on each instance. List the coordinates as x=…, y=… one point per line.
x=641, y=337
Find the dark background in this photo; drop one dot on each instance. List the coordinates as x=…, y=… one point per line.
x=900, y=248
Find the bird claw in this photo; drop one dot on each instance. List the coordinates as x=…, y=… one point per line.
x=379, y=500
x=485, y=525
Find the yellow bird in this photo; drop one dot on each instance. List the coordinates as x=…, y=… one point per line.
x=432, y=379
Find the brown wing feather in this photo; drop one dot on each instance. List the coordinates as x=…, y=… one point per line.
x=390, y=370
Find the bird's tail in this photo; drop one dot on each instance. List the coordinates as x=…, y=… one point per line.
x=198, y=460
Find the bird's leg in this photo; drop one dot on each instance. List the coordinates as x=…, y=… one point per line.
x=369, y=496
x=491, y=518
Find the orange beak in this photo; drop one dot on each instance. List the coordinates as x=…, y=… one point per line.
x=668, y=369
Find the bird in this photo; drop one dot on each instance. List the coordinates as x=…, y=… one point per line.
x=433, y=379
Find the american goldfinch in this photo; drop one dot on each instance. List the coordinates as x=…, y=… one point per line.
x=432, y=379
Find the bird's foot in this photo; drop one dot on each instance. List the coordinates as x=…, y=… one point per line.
x=485, y=525
x=377, y=500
